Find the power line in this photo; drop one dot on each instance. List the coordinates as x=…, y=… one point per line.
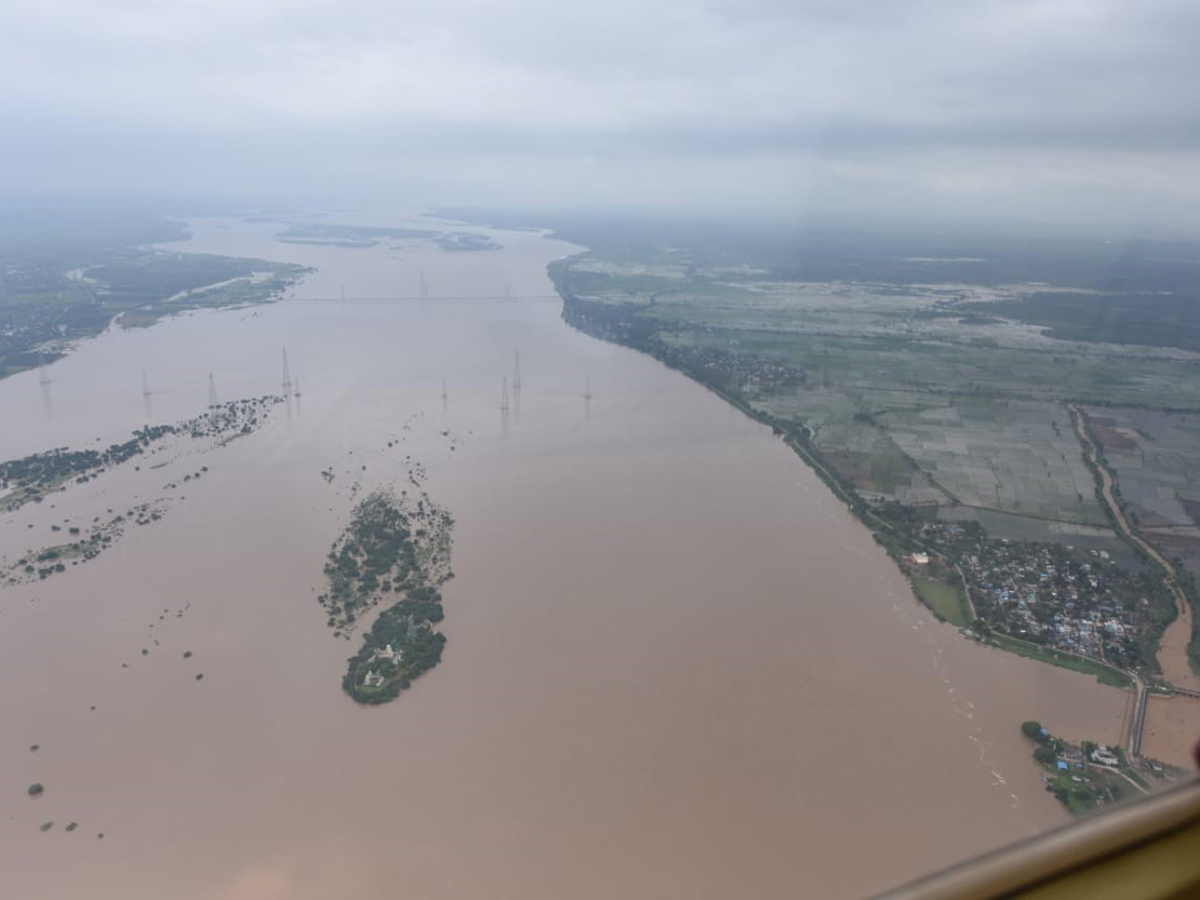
x=463, y=299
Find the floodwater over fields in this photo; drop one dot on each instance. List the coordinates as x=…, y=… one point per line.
x=677, y=666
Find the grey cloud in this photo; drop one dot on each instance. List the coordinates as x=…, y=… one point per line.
x=1039, y=99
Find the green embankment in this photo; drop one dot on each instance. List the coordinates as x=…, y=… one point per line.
x=1104, y=674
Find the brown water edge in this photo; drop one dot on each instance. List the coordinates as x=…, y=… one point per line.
x=1172, y=729
x=1173, y=651
x=676, y=667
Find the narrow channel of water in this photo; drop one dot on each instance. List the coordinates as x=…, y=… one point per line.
x=676, y=665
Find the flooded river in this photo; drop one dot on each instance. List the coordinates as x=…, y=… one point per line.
x=677, y=666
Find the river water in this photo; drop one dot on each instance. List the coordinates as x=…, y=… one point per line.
x=677, y=667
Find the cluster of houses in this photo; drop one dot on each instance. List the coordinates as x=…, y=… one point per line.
x=1072, y=600
x=374, y=679
x=394, y=655
x=1072, y=757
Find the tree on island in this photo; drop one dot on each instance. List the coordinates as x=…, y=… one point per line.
x=1034, y=730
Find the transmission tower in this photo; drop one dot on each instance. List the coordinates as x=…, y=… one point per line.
x=287, y=376
x=146, y=394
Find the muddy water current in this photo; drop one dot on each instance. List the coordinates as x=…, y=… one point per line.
x=676, y=666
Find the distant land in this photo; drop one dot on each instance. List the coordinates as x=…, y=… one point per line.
x=369, y=236
x=67, y=275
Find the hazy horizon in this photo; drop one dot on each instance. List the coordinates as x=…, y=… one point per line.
x=1054, y=112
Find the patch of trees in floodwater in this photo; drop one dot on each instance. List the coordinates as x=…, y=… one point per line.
x=394, y=546
x=32, y=478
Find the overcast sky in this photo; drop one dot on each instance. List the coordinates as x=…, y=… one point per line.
x=1032, y=108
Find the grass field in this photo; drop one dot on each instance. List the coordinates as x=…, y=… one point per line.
x=945, y=600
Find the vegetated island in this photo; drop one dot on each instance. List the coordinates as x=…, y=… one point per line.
x=31, y=478
x=41, y=563
x=363, y=236
x=1087, y=775
x=348, y=235
x=463, y=241
x=396, y=546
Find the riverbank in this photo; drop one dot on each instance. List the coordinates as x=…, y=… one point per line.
x=889, y=525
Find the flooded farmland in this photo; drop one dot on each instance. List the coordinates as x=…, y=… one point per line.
x=676, y=665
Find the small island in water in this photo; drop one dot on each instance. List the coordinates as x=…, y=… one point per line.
x=395, y=546
x=1088, y=775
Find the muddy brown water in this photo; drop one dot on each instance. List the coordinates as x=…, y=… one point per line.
x=677, y=666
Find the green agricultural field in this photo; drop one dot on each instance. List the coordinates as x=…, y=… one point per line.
x=1156, y=458
x=1011, y=456
x=905, y=391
